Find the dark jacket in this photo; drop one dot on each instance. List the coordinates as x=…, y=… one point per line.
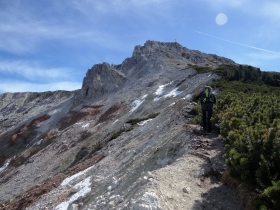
x=206, y=105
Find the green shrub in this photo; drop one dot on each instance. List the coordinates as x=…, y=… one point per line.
x=248, y=111
x=117, y=134
x=132, y=122
x=273, y=192
x=250, y=126
x=137, y=120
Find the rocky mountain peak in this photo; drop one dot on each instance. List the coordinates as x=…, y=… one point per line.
x=123, y=141
x=153, y=56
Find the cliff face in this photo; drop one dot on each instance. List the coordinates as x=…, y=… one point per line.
x=101, y=79
x=123, y=141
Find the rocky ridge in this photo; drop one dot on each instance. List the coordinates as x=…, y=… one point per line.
x=123, y=141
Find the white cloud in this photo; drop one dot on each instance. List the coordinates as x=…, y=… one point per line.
x=34, y=71
x=20, y=86
x=23, y=30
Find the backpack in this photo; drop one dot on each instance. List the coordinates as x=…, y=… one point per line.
x=207, y=96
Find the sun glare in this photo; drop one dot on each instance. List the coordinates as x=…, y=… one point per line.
x=221, y=19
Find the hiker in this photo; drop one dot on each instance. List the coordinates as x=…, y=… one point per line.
x=207, y=99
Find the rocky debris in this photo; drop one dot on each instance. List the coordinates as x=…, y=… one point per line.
x=148, y=201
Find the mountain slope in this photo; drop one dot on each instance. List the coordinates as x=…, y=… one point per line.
x=113, y=144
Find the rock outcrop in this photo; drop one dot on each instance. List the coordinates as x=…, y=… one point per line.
x=152, y=59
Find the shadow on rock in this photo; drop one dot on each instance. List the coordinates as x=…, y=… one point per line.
x=221, y=198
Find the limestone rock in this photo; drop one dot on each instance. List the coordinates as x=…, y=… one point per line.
x=148, y=201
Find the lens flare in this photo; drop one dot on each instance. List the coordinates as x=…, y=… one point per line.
x=221, y=19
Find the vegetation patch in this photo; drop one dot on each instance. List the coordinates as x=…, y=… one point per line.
x=133, y=122
x=117, y=134
x=80, y=155
x=201, y=69
x=137, y=120
x=92, y=106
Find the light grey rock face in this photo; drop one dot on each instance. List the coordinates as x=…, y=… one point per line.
x=153, y=50
x=16, y=108
x=151, y=60
x=148, y=201
x=100, y=79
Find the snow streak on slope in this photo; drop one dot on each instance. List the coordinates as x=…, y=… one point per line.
x=160, y=92
x=84, y=186
x=5, y=166
x=173, y=93
x=135, y=104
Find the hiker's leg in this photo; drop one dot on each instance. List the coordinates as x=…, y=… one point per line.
x=209, y=126
x=204, y=119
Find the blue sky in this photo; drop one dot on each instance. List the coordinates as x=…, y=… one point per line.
x=49, y=45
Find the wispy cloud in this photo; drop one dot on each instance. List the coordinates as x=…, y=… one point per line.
x=34, y=71
x=237, y=43
x=24, y=30
x=20, y=86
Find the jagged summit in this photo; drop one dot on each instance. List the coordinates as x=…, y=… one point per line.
x=152, y=58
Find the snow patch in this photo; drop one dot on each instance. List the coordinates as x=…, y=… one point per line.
x=156, y=98
x=144, y=96
x=173, y=93
x=69, y=179
x=144, y=122
x=5, y=166
x=115, y=121
x=39, y=142
x=148, y=201
x=135, y=104
x=85, y=188
x=54, y=111
x=160, y=90
x=189, y=96
x=172, y=104
x=86, y=125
